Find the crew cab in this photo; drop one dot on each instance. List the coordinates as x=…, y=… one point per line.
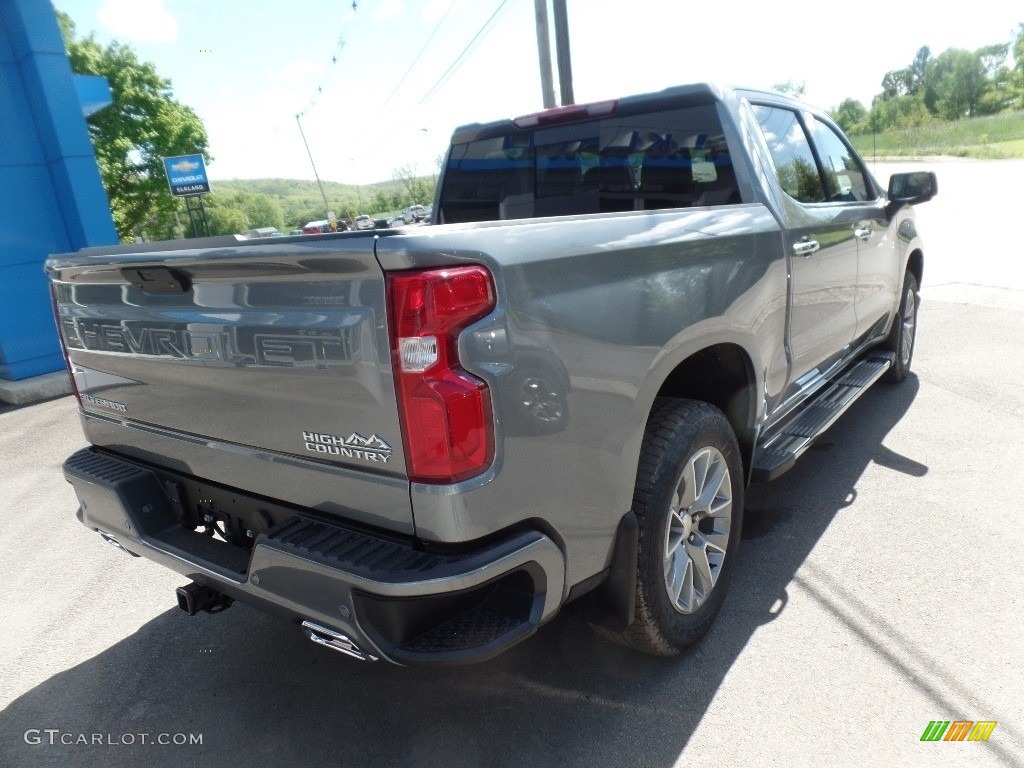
x=420, y=444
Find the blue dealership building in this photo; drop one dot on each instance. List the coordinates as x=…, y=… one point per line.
x=51, y=196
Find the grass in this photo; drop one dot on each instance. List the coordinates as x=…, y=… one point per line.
x=994, y=137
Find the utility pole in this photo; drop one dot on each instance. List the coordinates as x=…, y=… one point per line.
x=547, y=86
x=562, y=50
x=327, y=206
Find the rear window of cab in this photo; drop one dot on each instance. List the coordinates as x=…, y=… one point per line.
x=668, y=159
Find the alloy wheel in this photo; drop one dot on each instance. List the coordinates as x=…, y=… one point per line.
x=697, y=535
x=909, y=315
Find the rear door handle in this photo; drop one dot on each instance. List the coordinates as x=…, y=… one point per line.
x=864, y=233
x=806, y=247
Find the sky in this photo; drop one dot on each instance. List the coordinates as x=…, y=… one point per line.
x=382, y=86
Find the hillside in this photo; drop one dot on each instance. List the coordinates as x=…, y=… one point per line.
x=300, y=200
x=991, y=137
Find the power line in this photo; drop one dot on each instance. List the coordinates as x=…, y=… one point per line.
x=329, y=69
x=324, y=80
x=465, y=52
x=401, y=80
x=459, y=60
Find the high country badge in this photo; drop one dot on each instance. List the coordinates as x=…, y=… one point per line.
x=355, y=446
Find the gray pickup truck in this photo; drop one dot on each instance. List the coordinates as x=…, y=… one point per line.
x=421, y=444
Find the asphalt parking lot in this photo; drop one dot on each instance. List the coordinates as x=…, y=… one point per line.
x=879, y=588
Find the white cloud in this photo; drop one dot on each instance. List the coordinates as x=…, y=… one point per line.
x=144, y=21
x=389, y=9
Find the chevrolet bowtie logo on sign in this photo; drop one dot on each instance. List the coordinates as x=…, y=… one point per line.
x=958, y=730
x=184, y=166
x=186, y=175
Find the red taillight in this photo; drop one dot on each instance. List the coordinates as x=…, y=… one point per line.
x=567, y=113
x=63, y=346
x=447, y=421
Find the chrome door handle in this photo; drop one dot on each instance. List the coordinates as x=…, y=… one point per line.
x=805, y=247
x=864, y=233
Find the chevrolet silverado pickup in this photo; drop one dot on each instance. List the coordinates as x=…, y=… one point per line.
x=420, y=445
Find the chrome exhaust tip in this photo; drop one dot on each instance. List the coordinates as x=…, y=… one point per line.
x=115, y=543
x=335, y=641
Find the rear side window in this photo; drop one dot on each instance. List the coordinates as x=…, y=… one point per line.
x=791, y=152
x=670, y=159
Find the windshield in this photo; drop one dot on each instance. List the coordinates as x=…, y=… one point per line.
x=669, y=159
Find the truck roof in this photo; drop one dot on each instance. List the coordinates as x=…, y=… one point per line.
x=674, y=96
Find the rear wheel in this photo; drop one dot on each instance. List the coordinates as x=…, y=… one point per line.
x=689, y=503
x=903, y=335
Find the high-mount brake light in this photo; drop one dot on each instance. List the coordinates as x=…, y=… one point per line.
x=567, y=113
x=63, y=346
x=447, y=421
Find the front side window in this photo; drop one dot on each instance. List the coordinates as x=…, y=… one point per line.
x=791, y=151
x=844, y=175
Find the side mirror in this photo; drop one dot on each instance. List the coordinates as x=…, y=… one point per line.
x=912, y=188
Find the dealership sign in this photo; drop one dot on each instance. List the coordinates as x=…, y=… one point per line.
x=186, y=175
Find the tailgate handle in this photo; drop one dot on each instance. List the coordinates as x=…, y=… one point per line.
x=157, y=279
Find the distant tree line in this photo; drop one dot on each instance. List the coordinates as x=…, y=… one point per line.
x=236, y=205
x=951, y=86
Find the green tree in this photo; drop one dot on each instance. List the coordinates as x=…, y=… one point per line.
x=262, y=211
x=1018, y=48
x=993, y=58
x=417, y=189
x=919, y=69
x=896, y=112
x=223, y=219
x=133, y=135
x=897, y=82
x=346, y=208
x=301, y=217
x=1016, y=77
x=959, y=81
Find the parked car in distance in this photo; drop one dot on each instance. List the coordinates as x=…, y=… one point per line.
x=363, y=222
x=317, y=227
x=261, y=232
x=323, y=226
x=414, y=213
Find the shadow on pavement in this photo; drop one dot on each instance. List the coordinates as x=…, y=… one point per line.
x=261, y=694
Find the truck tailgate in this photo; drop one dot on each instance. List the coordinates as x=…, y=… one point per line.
x=282, y=348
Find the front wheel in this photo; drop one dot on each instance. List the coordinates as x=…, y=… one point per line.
x=688, y=500
x=903, y=335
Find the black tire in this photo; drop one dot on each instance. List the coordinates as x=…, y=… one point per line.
x=679, y=433
x=902, y=340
